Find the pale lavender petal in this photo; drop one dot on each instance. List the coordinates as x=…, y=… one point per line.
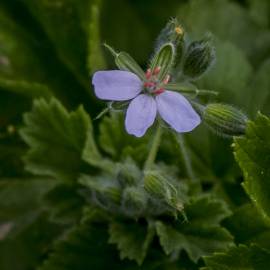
x=177, y=111
x=116, y=85
x=141, y=114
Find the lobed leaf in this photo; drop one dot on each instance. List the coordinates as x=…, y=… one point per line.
x=200, y=234
x=241, y=257
x=252, y=153
x=56, y=139
x=132, y=239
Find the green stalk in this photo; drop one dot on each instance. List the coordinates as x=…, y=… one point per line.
x=154, y=148
x=187, y=162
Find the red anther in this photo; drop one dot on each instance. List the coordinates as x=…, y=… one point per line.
x=157, y=70
x=149, y=84
x=159, y=91
x=167, y=79
x=148, y=73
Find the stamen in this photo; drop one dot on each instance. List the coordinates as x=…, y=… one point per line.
x=148, y=74
x=179, y=30
x=149, y=84
x=167, y=79
x=159, y=91
x=156, y=70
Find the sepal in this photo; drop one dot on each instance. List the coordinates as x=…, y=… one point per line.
x=125, y=62
x=163, y=60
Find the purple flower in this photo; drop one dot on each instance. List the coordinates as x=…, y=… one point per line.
x=147, y=99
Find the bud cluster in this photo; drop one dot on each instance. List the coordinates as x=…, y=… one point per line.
x=132, y=193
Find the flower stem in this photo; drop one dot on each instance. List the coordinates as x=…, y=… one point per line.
x=154, y=148
x=187, y=162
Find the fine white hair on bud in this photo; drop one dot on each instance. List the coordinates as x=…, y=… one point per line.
x=225, y=120
x=199, y=58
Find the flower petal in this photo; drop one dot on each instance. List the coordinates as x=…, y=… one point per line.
x=116, y=85
x=177, y=111
x=141, y=114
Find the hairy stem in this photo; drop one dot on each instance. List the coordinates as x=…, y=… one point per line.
x=154, y=148
x=187, y=162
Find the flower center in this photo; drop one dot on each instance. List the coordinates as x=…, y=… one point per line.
x=152, y=84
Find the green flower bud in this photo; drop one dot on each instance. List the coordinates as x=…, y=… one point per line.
x=113, y=194
x=199, y=57
x=134, y=200
x=173, y=33
x=105, y=190
x=128, y=175
x=159, y=188
x=107, y=197
x=225, y=120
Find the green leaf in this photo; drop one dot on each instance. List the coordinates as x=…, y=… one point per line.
x=31, y=90
x=64, y=204
x=259, y=99
x=63, y=23
x=201, y=234
x=56, y=139
x=241, y=257
x=27, y=55
x=14, y=41
x=132, y=239
x=21, y=210
x=248, y=226
x=85, y=247
x=252, y=153
x=30, y=245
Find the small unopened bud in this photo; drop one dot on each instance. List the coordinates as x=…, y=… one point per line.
x=134, y=200
x=173, y=32
x=225, y=120
x=159, y=188
x=129, y=174
x=199, y=57
x=113, y=194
